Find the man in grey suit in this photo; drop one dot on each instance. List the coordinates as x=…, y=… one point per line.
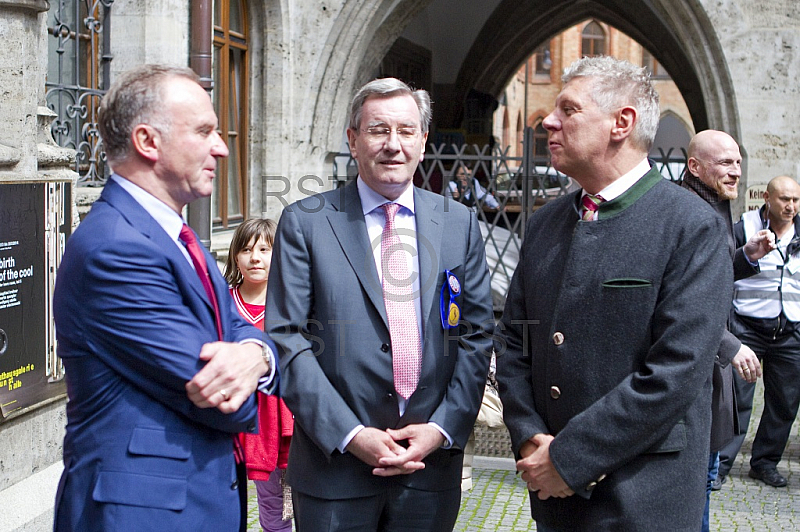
x=380, y=305
x=614, y=313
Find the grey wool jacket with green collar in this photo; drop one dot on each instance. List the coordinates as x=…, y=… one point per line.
x=607, y=342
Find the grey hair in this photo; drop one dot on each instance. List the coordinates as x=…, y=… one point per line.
x=384, y=88
x=136, y=97
x=617, y=83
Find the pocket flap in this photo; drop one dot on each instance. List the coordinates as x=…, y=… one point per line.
x=627, y=282
x=674, y=441
x=159, y=442
x=121, y=487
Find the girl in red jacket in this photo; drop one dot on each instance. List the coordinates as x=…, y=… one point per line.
x=265, y=453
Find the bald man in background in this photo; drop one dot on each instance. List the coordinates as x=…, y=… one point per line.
x=765, y=318
x=713, y=171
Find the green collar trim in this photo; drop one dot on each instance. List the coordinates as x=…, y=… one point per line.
x=629, y=197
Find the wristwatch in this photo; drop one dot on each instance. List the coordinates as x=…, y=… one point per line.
x=268, y=356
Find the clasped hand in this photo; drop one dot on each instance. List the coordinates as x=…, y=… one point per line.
x=229, y=377
x=381, y=448
x=538, y=470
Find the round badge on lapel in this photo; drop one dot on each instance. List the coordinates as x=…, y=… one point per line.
x=453, y=315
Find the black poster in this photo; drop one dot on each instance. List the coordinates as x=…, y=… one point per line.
x=23, y=293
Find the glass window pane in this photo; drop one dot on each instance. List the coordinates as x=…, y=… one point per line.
x=218, y=12
x=234, y=94
x=234, y=189
x=236, y=16
x=215, y=210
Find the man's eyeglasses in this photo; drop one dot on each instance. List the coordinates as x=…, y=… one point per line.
x=405, y=134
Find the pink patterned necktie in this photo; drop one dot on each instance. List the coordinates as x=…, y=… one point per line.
x=590, y=204
x=398, y=296
x=199, y=261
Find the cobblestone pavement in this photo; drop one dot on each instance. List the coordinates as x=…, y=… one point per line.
x=499, y=501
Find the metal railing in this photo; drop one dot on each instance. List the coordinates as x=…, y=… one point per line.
x=79, y=57
x=519, y=192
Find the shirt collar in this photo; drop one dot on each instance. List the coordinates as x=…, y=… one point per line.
x=624, y=182
x=167, y=218
x=371, y=200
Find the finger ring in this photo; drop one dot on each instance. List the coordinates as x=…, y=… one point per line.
x=745, y=368
x=224, y=394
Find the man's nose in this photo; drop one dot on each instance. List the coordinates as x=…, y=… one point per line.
x=392, y=141
x=219, y=148
x=550, y=123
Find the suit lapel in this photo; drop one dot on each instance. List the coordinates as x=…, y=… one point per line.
x=140, y=220
x=430, y=222
x=350, y=229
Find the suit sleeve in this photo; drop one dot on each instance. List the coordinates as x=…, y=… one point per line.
x=687, y=323
x=317, y=405
x=457, y=412
x=127, y=309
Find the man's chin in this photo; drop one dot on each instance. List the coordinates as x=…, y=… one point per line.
x=727, y=194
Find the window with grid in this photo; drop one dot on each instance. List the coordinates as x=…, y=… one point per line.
x=229, y=200
x=657, y=71
x=78, y=61
x=593, y=40
x=543, y=60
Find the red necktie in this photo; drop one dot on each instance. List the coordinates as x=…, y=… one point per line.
x=188, y=237
x=398, y=296
x=590, y=204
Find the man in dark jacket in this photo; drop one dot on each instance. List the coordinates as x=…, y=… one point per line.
x=618, y=303
x=767, y=317
x=712, y=172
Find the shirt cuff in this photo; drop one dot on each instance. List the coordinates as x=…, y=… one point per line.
x=347, y=439
x=448, y=440
x=265, y=382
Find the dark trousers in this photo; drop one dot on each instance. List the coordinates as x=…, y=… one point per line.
x=398, y=509
x=776, y=341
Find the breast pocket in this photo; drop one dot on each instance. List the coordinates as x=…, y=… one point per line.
x=627, y=282
x=629, y=297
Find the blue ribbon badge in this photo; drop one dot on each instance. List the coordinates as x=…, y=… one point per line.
x=448, y=306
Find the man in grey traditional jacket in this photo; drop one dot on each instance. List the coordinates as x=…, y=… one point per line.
x=612, y=320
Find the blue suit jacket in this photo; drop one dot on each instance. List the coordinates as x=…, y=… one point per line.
x=131, y=317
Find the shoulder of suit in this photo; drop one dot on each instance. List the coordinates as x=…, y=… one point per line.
x=445, y=204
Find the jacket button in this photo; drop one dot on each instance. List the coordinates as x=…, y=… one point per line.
x=558, y=338
x=385, y=348
x=235, y=484
x=590, y=486
x=555, y=392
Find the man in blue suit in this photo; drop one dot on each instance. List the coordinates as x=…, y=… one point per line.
x=158, y=378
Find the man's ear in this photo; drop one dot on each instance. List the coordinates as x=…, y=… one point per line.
x=694, y=166
x=351, y=142
x=624, y=120
x=146, y=141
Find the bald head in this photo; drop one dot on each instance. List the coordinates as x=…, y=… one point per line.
x=782, y=182
x=715, y=159
x=782, y=199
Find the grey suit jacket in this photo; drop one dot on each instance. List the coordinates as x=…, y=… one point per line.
x=325, y=312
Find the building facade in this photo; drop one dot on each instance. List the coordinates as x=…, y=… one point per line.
x=282, y=73
x=530, y=93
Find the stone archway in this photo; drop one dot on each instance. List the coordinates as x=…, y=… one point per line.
x=679, y=34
